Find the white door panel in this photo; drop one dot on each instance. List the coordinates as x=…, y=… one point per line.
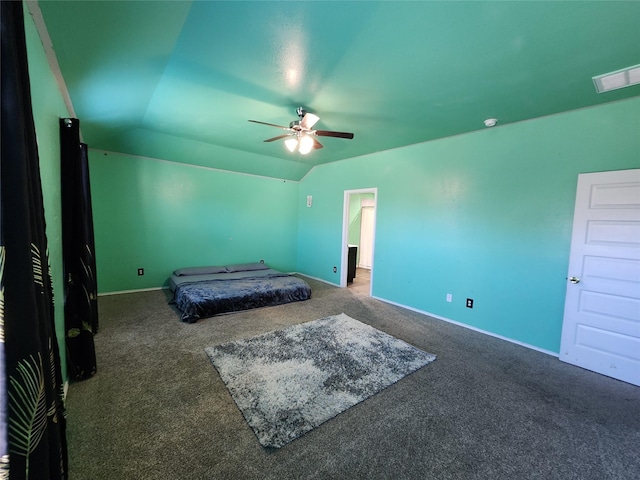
x=623, y=195
x=601, y=328
x=613, y=232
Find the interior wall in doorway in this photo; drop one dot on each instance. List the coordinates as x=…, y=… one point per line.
x=365, y=252
x=356, y=202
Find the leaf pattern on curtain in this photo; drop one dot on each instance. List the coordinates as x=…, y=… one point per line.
x=2, y=254
x=32, y=420
x=29, y=412
x=37, y=266
x=28, y=408
x=4, y=454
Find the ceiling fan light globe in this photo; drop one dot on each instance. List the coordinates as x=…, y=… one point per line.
x=291, y=144
x=306, y=144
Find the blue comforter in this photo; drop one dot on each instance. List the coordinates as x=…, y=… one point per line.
x=209, y=297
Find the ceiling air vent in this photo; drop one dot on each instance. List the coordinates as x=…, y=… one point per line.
x=618, y=79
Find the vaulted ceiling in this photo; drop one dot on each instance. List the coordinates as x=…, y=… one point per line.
x=179, y=80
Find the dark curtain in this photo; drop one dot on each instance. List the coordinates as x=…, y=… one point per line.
x=33, y=388
x=80, y=302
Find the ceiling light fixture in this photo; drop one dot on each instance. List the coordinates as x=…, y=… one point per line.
x=303, y=143
x=490, y=122
x=618, y=79
x=306, y=144
x=291, y=144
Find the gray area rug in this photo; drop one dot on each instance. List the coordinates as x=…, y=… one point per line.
x=289, y=381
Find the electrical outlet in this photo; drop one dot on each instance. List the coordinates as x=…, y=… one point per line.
x=140, y=272
x=335, y=269
x=469, y=302
x=449, y=297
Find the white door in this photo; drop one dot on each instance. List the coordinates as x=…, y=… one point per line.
x=601, y=328
x=366, y=237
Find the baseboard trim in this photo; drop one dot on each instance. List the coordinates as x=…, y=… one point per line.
x=104, y=294
x=423, y=312
x=475, y=329
x=121, y=292
x=316, y=278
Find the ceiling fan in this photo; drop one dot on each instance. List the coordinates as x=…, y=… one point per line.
x=301, y=135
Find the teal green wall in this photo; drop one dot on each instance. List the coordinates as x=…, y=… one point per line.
x=486, y=215
x=48, y=107
x=161, y=215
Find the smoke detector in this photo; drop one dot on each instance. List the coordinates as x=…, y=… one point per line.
x=490, y=122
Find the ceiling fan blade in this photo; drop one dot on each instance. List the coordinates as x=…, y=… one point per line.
x=327, y=133
x=308, y=121
x=278, y=137
x=316, y=143
x=270, y=124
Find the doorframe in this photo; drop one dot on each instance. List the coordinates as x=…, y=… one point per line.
x=345, y=233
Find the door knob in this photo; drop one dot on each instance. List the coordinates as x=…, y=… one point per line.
x=574, y=280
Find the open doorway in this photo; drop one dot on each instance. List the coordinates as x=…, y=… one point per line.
x=358, y=239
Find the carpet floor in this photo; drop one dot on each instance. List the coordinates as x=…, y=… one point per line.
x=486, y=409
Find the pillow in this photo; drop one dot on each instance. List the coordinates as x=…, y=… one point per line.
x=181, y=272
x=246, y=267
